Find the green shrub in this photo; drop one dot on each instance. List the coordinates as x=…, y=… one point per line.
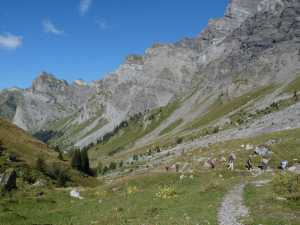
x=99, y=168
x=179, y=140
x=40, y=164
x=113, y=166
x=57, y=172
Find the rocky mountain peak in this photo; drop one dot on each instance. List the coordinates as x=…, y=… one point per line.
x=242, y=9
x=80, y=83
x=46, y=82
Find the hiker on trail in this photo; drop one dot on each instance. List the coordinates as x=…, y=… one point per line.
x=177, y=168
x=231, y=161
x=264, y=164
x=284, y=164
x=249, y=164
x=212, y=163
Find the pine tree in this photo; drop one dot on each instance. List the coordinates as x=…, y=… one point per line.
x=60, y=156
x=85, y=164
x=100, y=168
x=41, y=164
x=296, y=96
x=76, y=159
x=2, y=148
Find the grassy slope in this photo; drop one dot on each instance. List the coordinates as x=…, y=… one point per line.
x=196, y=202
x=136, y=129
x=220, y=109
x=270, y=210
x=293, y=86
x=28, y=150
x=171, y=127
x=22, y=144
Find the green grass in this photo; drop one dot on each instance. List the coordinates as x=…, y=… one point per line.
x=242, y=116
x=267, y=209
x=28, y=150
x=262, y=202
x=22, y=144
x=196, y=202
x=136, y=129
x=171, y=127
x=220, y=109
x=69, y=130
x=293, y=86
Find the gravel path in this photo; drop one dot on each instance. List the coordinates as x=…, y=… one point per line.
x=233, y=208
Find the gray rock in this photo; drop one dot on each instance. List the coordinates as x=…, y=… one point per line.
x=262, y=151
x=8, y=180
x=295, y=169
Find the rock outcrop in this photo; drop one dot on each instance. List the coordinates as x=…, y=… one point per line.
x=8, y=180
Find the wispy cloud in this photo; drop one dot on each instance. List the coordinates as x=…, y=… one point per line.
x=103, y=24
x=49, y=27
x=84, y=6
x=9, y=41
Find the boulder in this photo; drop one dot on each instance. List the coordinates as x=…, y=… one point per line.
x=8, y=180
x=295, y=169
x=75, y=194
x=262, y=151
x=249, y=147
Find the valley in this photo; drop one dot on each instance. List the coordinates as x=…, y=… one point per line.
x=193, y=132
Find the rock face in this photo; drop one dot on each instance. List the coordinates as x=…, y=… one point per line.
x=8, y=180
x=256, y=42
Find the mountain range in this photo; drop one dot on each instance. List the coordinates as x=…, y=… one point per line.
x=252, y=51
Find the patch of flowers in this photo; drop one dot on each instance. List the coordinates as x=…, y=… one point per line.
x=132, y=190
x=166, y=192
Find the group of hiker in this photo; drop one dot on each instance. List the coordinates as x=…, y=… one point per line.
x=230, y=164
x=250, y=165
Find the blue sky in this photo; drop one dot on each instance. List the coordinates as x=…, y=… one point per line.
x=89, y=38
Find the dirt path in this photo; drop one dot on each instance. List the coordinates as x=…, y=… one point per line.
x=233, y=208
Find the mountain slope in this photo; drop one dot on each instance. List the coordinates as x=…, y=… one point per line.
x=256, y=44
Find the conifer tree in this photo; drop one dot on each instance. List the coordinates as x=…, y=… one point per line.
x=76, y=159
x=85, y=164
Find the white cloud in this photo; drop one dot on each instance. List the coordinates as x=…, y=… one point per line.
x=49, y=27
x=84, y=6
x=9, y=41
x=102, y=24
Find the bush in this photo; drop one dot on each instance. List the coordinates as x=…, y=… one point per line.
x=135, y=157
x=113, y=166
x=59, y=173
x=100, y=168
x=2, y=148
x=216, y=130
x=105, y=170
x=41, y=165
x=60, y=156
x=179, y=140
